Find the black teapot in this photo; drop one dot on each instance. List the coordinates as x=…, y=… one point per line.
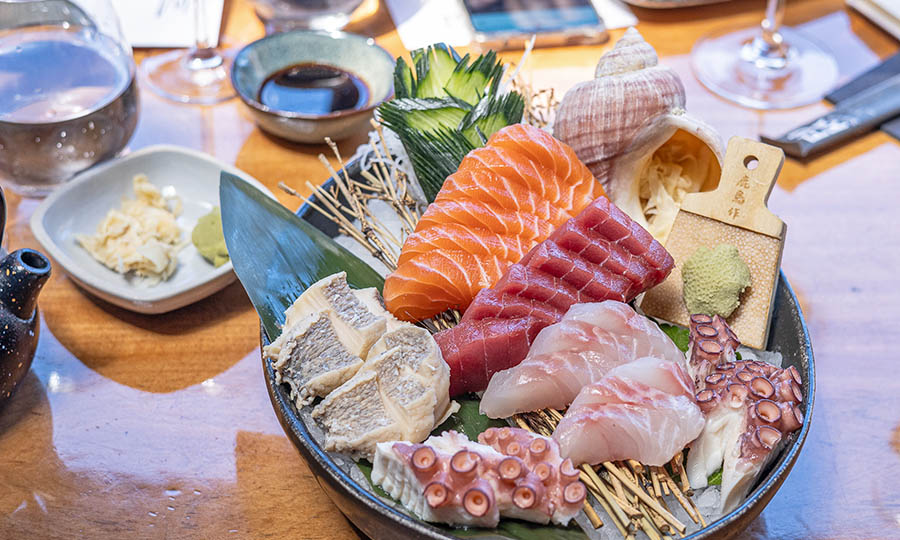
x=22, y=275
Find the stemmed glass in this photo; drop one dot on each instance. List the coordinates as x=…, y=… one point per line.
x=197, y=75
x=771, y=67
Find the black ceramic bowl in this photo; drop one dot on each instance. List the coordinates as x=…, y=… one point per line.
x=378, y=519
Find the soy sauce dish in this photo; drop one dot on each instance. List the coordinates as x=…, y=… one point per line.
x=304, y=86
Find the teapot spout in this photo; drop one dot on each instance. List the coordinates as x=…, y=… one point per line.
x=22, y=275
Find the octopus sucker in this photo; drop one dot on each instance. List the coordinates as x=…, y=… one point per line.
x=510, y=469
x=544, y=472
x=479, y=499
x=574, y=493
x=436, y=494
x=762, y=387
x=750, y=408
x=525, y=496
x=450, y=479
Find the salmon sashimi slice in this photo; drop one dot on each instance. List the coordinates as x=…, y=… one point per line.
x=556, y=278
x=589, y=341
x=461, y=238
x=500, y=192
x=643, y=410
x=486, y=219
x=504, y=199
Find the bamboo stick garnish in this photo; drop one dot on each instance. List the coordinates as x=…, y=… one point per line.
x=592, y=515
x=657, y=520
x=648, y=527
x=646, y=499
x=620, y=508
x=655, y=478
x=678, y=466
x=679, y=496
x=635, y=467
x=665, y=487
x=617, y=487
x=611, y=513
x=697, y=511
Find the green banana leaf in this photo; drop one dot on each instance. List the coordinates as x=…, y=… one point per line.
x=277, y=255
x=680, y=335
x=468, y=420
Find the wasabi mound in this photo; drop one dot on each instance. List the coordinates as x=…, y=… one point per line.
x=714, y=280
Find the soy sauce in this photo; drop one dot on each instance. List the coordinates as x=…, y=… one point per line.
x=313, y=89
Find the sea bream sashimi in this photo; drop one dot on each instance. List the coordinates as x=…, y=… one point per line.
x=601, y=254
x=643, y=410
x=505, y=198
x=580, y=349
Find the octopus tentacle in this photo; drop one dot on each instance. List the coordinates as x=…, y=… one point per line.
x=451, y=479
x=759, y=400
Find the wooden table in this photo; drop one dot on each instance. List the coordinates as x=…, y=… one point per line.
x=160, y=427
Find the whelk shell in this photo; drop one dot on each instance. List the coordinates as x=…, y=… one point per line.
x=629, y=126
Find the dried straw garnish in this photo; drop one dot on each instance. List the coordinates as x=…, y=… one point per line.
x=539, y=104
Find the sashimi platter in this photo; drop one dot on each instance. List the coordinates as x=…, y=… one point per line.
x=513, y=315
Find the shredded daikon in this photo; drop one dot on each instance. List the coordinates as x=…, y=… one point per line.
x=140, y=237
x=665, y=182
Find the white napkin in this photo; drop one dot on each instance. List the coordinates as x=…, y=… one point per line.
x=884, y=13
x=423, y=22
x=167, y=23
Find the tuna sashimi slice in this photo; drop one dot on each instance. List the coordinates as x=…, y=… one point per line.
x=589, y=341
x=590, y=245
x=532, y=283
x=464, y=350
x=643, y=410
x=493, y=304
x=593, y=280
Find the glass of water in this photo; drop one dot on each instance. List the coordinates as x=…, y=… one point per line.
x=68, y=98
x=767, y=66
x=284, y=15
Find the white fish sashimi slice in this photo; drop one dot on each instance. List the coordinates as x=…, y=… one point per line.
x=590, y=340
x=632, y=414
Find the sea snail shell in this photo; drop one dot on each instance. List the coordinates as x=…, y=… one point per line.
x=629, y=123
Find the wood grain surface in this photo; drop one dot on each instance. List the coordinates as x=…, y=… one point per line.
x=134, y=426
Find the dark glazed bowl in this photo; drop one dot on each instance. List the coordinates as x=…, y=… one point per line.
x=378, y=520
x=356, y=54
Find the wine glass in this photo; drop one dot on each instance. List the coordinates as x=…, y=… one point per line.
x=771, y=67
x=68, y=99
x=197, y=75
x=324, y=15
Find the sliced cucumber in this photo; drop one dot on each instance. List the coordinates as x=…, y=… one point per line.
x=491, y=114
x=445, y=109
x=425, y=115
x=471, y=83
x=434, y=65
x=435, y=157
x=404, y=83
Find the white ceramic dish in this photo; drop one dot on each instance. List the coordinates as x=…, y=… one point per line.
x=77, y=208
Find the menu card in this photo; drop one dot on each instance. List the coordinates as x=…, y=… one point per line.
x=168, y=23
